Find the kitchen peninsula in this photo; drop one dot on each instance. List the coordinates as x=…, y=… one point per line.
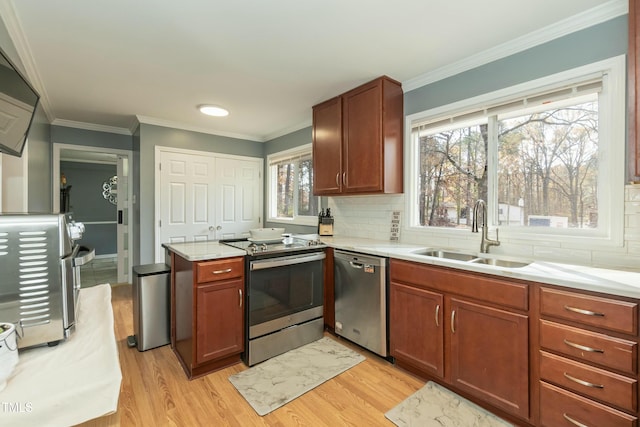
x=207, y=307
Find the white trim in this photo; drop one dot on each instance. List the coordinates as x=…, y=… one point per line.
x=288, y=130
x=297, y=220
x=91, y=126
x=176, y=125
x=17, y=35
x=611, y=230
x=588, y=18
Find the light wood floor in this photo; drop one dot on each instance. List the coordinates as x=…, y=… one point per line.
x=156, y=392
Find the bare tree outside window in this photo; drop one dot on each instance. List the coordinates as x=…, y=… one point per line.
x=294, y=192
x=547, y=169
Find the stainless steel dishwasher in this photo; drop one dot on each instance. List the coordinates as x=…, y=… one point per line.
x=361, y=300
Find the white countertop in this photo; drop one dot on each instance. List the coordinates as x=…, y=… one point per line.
x=615, y=282
x=200, y=251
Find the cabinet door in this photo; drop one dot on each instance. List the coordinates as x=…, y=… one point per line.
x=362, y=147
x=327, y=147
x=489, y=355
x=219, y=320
x=416, y=327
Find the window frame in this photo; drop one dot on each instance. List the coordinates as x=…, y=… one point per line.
x=307, y=220
x=612, y=158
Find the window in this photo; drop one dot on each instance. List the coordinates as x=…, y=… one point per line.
x=290, y=180
x=546, y=156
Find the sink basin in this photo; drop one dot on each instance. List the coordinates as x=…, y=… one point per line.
x=459, y=256
x=500, y=262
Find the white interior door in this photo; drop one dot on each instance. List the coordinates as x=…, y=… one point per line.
x=205, y=196
x=186, y=199
x=238, y=208
x=124, y=212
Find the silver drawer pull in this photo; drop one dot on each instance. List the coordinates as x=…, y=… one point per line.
x=583, y=347
x=572, y=421
x=583, y=311
x=226, y=270
x=582, y=382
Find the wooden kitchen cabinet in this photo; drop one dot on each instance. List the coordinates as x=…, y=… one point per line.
x=207, y=313
x=490, y=355
x=416, y=331
x=358, y=141
x=467, y=330
x=219, y=319
x=588, y=358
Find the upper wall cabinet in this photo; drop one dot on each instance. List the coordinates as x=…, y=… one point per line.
x=358, y=139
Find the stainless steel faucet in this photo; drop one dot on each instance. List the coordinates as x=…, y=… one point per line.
x=480, y=209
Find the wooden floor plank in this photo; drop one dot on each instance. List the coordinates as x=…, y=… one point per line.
x=156, y=392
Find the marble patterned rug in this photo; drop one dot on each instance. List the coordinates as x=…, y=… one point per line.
x=435, y=406
x=277, y=381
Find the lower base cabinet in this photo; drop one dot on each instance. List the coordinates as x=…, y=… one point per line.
x=445, y=324
x=207, y=321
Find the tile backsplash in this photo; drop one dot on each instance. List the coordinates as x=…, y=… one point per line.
x=371, y=217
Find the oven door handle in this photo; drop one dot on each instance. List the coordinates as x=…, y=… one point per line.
x=282, y=261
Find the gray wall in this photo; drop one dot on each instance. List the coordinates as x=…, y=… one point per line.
x=39, y=144
x=593, y=44
x=151, y=136
x=90, y=138
x=39, y=165
x=87, y=204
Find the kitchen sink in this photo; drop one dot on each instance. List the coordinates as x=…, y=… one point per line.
x=500, y=262
x=459, y=256
x=474, y=258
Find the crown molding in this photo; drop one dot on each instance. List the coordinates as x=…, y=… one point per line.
x=586, y=19
x=90, y=126
x=16, y=33
x=288, y=130
x=182, y=126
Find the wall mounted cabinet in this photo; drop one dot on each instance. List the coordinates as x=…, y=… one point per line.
x=358, y=140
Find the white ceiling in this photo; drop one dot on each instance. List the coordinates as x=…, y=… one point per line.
x=106, y=64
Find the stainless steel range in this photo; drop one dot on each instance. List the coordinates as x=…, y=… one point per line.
x=284, y=295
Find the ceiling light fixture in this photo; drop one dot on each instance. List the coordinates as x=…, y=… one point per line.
x=213, y=110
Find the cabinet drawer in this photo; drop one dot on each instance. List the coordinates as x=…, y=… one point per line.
x=597, y=383
x=589, y=346
x=558, y=407
x=607, y=313
x=477, y=286
x=228, y=268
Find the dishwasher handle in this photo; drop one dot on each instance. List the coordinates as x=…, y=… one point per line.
x=356, y=264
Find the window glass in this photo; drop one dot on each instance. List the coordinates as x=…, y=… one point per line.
x=546, y=156
x=548, y=168
x=290, y=182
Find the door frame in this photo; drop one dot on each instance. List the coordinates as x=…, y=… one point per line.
x=157, y=253
x=58, y=147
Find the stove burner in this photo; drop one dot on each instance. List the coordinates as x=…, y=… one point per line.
x=256, y=248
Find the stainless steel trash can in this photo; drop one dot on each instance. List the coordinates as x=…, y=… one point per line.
x=151, y=312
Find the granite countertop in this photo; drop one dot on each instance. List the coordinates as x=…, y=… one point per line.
x=201, y=251
x=615, y=282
